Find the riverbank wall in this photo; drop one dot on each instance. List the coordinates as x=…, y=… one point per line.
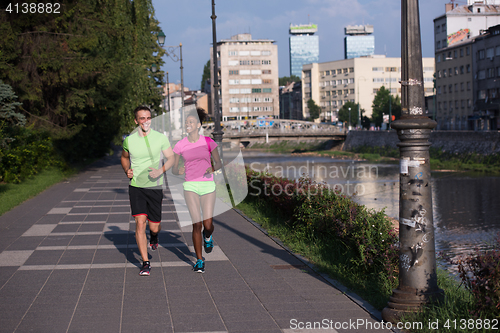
x=460, y=142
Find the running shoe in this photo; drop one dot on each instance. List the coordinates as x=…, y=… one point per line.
x=146, y=268
x=208, y=243
x=153, y=243
x=199, y=267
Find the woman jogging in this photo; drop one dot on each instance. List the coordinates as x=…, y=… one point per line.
x=199, y=186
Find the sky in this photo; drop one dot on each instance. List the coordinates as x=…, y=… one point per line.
x=189, y=22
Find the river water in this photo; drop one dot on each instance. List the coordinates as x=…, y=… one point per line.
x=466, y=206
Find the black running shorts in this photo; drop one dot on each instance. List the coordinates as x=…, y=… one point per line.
x=144, y=201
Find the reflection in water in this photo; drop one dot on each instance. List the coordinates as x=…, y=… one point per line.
x=465, y=207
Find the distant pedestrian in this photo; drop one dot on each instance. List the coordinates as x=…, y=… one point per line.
x=141, y=160
x=199, y=186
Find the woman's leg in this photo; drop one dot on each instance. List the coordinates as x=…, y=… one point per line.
x=207, y=206
x=193, y=204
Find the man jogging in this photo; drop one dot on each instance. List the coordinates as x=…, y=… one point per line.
x=142, y=163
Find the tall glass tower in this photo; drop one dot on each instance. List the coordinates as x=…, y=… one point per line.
x=304, y=47
x=359, y=41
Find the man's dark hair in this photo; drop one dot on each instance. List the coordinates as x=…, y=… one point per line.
x=141, y=108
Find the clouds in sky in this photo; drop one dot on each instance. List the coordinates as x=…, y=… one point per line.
x=188, y=22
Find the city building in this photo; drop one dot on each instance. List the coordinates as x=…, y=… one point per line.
x=486, y=60
x=359, y=41
x=332, y=84
x=291, y=101
x=304, y=47
x=456, y=54
x=248, y=77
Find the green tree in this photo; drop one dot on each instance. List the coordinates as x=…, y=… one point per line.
x=283, y=81
x=344, y=113
x=80, y=74
x=8, y=105
x=381, y=104
x=206, y=75
x=314, y=109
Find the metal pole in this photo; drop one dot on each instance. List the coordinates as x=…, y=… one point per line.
x=169, y=113
x=349, y=125
x=182, y=91
x=417, y=258
x=217, y=133
x=390, y=99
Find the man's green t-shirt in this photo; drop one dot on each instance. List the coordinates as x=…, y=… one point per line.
x=145, y=152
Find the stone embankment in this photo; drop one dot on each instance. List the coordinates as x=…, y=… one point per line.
x=460, y=142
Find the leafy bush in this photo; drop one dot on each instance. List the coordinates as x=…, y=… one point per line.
x=25, y=152
x=481, y=274
x=323, y=214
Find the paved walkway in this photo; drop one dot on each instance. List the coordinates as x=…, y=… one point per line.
x=69, y=263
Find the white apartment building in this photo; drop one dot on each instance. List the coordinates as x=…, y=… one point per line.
x=332, y=84
x=248, y=77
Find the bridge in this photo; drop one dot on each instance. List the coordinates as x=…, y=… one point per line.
x=244, y=132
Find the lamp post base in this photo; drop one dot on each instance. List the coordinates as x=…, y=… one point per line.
x=408, y=301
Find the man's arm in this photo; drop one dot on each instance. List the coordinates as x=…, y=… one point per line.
x=169, y=155
x=125, y=160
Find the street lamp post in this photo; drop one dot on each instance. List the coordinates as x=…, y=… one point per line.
x=349, y=125
x=217, y=133
x=169, y=113
x=417, y=258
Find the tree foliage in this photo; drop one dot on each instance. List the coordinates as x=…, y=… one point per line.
x=206, y=75
x=381, y=104
x=80, y=73
x=8, y=105
x=344, y=113
x=314, y=109
x=283, y=81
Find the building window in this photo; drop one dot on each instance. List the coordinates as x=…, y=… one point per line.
x=351, y=70
x=351, y=91
x=268, y=99
x=257, y=108
x=456, y=70
x=439, y=90
x=462, y=69
x=268, y=71
x=327, y=72
x=481, y=94
x=306, y=74
x=491, y=72
x=266, y=90
x=468, y=68
x=234, y=91
x=351, y=80
x=462, y=104
x=256, y=100
x=480, y=54
x=256, y=81
x=346, y=91
x=245, y=81
x=256, y=72
x=346, y=81
x=256, y=90
x=438, y=58
x=244, y=53
x=490, y=53
x=439, y=74
x=377, y=69
x=244, y=62
x=266, y=81
x=449, y=72
x=481, y=75
x=232, y=63
x=266, y=53
x=245, y=91
x=461, y=52
x=438, y=29
x=256, y=62
x=375, y=90
x=450, y=88
x=461, y=86
x=444, y=72
x=234, y=109
x=467, y=50
x=266, y=62
x=468, y=85
x=333, y=71
x=455, y=54
x=233, y=53
x=469, y=103
x=234, y=100
x=497, y=50
x=255, y=53
x=234, y=82
x=390, y=69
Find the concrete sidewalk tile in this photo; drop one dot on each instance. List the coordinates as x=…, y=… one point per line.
x=73, y=218
x=40, y=230
x=85, y=240
x=60, y=210
x=25, y=243
x=197, y=323
x=91, y=227
x=96, y=218
x=51, y=219
x=62, y=228
x=80, y=210
x=116, y=227
x=134, y=324
x=109, y=275
x=97, y=323
x=256, y=323
x=76, y=257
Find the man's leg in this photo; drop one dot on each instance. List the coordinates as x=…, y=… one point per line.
x=154, y=230
x=140, y=236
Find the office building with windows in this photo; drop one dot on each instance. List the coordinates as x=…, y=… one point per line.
x=359, y=41
x=466, y=65
x=248, y=77
x=332, y=84
x=304, y=47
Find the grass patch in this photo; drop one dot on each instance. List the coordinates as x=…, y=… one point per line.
x=15, y=194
